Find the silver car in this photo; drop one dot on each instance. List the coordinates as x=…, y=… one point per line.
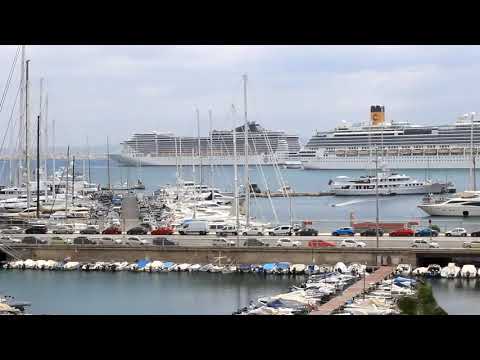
x=424, y=243
x=471, y=244
x=12, y=230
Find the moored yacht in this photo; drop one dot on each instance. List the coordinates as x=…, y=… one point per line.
x=466, y=203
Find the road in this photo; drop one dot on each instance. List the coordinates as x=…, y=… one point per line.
x=195, y=240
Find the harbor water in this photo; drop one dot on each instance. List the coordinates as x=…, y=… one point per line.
x=457, y=296
x=127, y=293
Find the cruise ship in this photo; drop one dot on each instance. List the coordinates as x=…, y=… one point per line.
x=399, y=145
x=266, y=147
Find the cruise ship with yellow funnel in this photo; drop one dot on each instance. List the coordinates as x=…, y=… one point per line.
x=399, y=145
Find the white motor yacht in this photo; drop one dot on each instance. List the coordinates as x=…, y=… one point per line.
x=403, y=269
x=468, y=271
x=466, y=203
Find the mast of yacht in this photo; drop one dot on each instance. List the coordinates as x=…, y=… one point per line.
x=108, y=166
x=21, y=120
x=46, y=145
x=73, y=179
x=27, y=133
x=38, y=166
x=40, y=119
x=88, y=154
x=66, y=182
x=211, y=149
x=247, y=185
x=235, y=174
x=199, y=147
x=195, y=186
x=53, y=156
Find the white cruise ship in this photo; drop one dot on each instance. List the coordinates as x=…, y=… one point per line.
x=156, y=149
x=400, y=145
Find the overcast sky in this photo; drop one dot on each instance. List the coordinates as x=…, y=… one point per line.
x=117, y=90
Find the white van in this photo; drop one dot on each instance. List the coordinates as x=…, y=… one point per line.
x=194, y=227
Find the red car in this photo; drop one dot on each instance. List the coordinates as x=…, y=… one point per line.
x=402, y=232
x=320, y=243
x=112, y=231
x=165, y=230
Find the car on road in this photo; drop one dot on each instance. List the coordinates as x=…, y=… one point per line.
x=89, y=231
x=199, y=227
x=8, y=239
x=426, y=232
x=136, y=241
x=252, y=231
x=106, y=241
x=161, y=241
x=83, y=240
x=286, y=242
x=223, y=242
x=164, y=230
x=33, y=240
x=36, y=229
x=57, y=240
x=371, y=232
x=307, y=232
x=138, y=230
x=63, y=230
x=352, y=243
x=228, y=230
x=424, y=243
x=402, y=232
x=343, y=231
x=456, y=232
x=255, y=242
x=475, y=233
x=12, y=230
x=281, y=230
x=320, y=244
x=471, y=244
x=112, y=230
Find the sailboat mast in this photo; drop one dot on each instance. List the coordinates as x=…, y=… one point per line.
x=88, y=154
x=19, y=178
x=108, y=165
x=54, y=155
x=195, y=186
x=235, y=177
x=199, y=151
x=66, y=182
x=40, y=119
x=27, y=134
x=46, y=145
x=180, y=159
x=38, y=166
x=247, y=185
x=211, y=148
x=73, y=178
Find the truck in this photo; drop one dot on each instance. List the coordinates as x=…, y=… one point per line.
x=194, y=227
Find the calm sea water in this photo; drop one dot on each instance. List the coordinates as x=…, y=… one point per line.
x=126, y=293
x=457, y=296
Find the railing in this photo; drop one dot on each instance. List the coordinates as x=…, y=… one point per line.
x=10, y=251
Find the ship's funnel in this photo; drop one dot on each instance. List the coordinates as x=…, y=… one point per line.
x=377, y=114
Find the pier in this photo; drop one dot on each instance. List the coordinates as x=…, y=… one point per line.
x=362, y=285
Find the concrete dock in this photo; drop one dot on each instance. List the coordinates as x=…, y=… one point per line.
x=356, y=289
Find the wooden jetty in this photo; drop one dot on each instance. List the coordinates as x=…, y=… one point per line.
x=356, y=289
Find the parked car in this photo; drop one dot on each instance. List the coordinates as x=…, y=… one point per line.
x=106, y=241
x=426, y=232
x=424, y=243
x=343, y=231
x=164, y=230
x=371, y=232
x=89, y=231
x=255, y=242
x=475, y=233
x=228, y=230
x=63, y=230
x=402, y=232
x=307, y=232
x=33, y=240
x=83, y=240
x=456, y=232
x=57, y=240
x=36, y=229
x=472, y=244
x=281, y=230
x=252, y=231
x=352, y=243
x=8, y=239
x=223, y=242
x=320, y=243
x=12, y=230
x=138, y=230
x=112, y=230
x=161, y=241
x=136, y=241
x=286, y=242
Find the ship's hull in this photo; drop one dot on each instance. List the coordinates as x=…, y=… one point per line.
x=445, y=210
x=393, y=162
x=189, y=160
